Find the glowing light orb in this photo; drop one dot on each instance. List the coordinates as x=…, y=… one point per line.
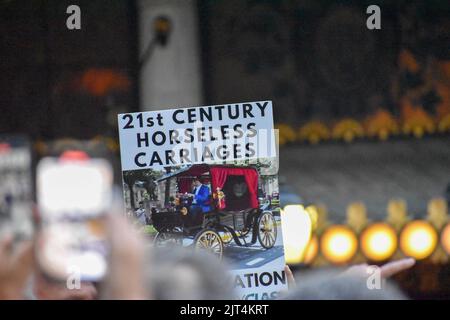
x=378, y=242
x=418, y=239
x=445, y=238
x=338, y=244
x=296, y=225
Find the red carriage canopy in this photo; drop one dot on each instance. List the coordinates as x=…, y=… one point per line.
x=218, y=176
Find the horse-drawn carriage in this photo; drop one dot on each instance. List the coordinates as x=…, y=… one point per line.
x=235, y=211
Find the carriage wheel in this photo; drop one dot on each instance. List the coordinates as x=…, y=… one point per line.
x=209, y=240
x=164, y=238
x=267, y=230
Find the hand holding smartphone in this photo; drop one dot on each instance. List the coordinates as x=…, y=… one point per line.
x=74, y=193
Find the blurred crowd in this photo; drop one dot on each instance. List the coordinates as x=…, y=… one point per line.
x=137, y=270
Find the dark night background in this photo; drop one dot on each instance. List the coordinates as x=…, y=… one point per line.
x=315, y=60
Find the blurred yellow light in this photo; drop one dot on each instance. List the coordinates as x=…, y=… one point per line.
x=313, y=215
x=418, y=239
x=296, y=229
x=338, y=244
x=311, y=250
x=445, y=238
x=378, y=241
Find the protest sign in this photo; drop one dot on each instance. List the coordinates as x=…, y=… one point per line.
x=206, y=178
x=16, y=187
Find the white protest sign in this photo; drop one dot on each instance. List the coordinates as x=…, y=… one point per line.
x=206, y=134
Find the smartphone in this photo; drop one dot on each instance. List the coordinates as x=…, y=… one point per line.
x=73, y=194
x=16, y=188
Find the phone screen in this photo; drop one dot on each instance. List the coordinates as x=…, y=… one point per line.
x=73, y=197
x=15, y=188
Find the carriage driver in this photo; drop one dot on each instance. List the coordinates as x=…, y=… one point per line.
x=201, y=201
